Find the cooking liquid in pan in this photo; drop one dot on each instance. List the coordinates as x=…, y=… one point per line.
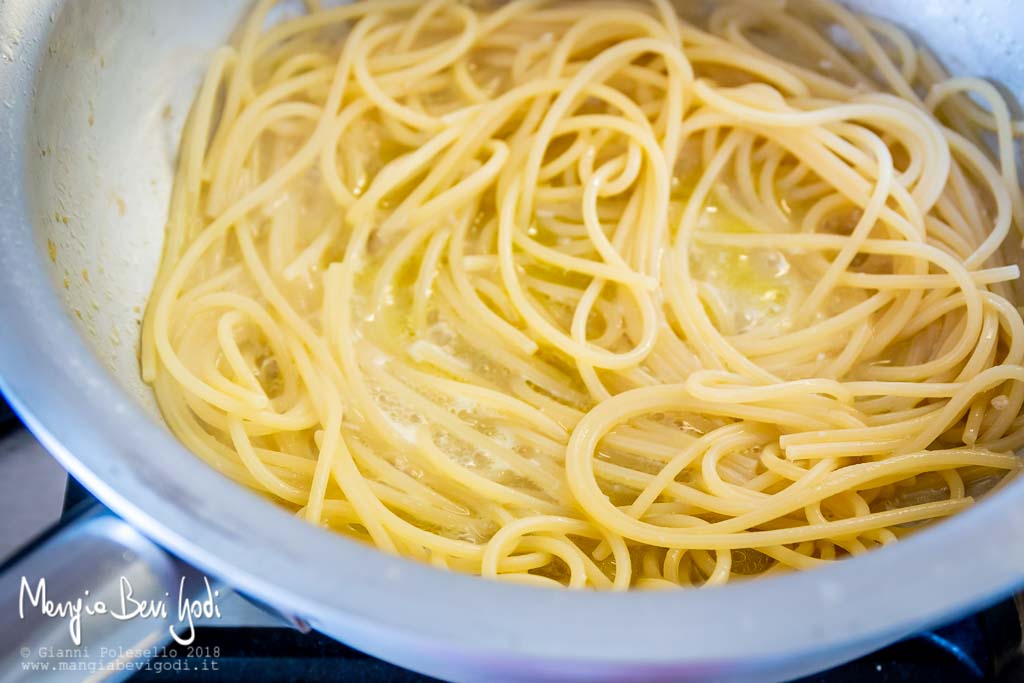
x=587, y=294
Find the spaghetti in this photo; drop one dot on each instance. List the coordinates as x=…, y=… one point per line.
x=591, y=293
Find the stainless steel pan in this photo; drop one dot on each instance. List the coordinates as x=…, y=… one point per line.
x=92, y=97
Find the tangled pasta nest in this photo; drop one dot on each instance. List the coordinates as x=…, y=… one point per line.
x=593, y=294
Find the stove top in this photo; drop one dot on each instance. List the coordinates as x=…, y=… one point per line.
x=246, y=644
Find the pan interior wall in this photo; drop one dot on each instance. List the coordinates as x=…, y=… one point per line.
x=110, y=102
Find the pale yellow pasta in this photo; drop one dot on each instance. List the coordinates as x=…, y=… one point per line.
x=591, y=294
